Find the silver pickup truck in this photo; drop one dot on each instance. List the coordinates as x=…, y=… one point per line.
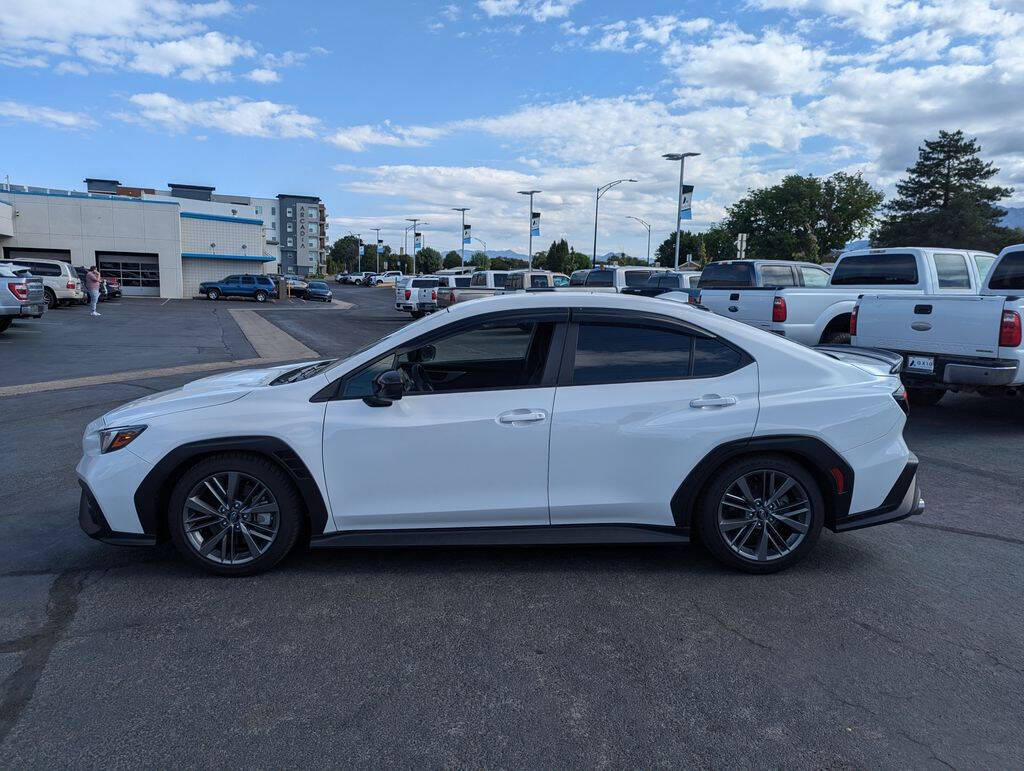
x=21, y=295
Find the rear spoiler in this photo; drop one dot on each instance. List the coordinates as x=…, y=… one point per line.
x=852, y=352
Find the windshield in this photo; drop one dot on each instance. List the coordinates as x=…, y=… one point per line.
x=317, y=285
x=871, y=269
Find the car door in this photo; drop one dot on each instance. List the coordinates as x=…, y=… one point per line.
x=247, y=286
x=477, y=408
x=641, y=400
x=231, y=286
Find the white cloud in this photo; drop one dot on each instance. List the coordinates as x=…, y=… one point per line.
x=451, y=12
x=263, y=75
x=359, y=138
x=71, y=68
x=538, y=10
x=231, y=115
x=44, y=116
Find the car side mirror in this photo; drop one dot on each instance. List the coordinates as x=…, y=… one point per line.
x=388, y=387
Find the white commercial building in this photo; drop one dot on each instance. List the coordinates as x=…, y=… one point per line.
x=158, y=243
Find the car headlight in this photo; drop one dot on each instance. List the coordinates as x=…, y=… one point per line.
x=115, y=438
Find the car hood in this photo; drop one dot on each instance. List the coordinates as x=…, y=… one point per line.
x=205, y=392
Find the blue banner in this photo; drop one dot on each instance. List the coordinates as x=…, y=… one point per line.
x=362, y=250
x=418, y=242
x=685, y=199
x=535, y=224
x=466, y=237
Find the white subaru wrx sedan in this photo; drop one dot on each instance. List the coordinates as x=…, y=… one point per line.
x=620, y=419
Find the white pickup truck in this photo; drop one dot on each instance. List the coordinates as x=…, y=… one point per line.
x=817, y=309
x=416, y=295
x=482, y=283
x=953, y=342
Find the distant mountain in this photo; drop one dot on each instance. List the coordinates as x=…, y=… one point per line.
x=506, y=253
x=1014, y=217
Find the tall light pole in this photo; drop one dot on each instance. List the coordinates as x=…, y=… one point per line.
x=462, y=236
x=647, y=225
x=529, y=248
x=681, y=157
x=413, y=220
x=597, y=202
x=376, y=247
x=405, y=242
x=359, y=257
x=481, y=241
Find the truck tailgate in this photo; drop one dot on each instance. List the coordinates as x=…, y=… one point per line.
x=750, y=305
x=956, y=325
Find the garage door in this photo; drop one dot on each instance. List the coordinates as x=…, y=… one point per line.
x=139, y=274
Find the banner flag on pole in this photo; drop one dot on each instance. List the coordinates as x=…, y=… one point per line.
x=418, y=242
x=535, y=224
x=362, y=250
x=685, y=198
x=466, y=237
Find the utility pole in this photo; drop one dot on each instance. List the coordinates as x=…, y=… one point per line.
x=597, y=202
x=376, y=247
x=529, y=248
x=462, y=236
x=681, y=157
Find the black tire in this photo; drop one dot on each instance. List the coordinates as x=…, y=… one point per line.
x=265, y=471
x=49, y=298
x=5, y=322
x=924, y=397
x=837, y=338
x=706, y=516
x=212, y=294
x=260, y=296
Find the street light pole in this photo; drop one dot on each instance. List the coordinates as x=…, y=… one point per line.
x=462, y=236
x=647, y=225
x=359, y=257
x=376, y=247
x=529, y=247
x=413, y=220
x=597, y=202
x=481, y=241
x=681, y=157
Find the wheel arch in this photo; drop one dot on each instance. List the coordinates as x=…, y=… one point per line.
x=810, y=452
x=153, y=493
x=838, y=323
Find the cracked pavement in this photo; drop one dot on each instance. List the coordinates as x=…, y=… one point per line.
x=894, y=646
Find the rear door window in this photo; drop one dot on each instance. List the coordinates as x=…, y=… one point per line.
x=733, y=274
x=627, y=353
x=777, y=275
x=813, y=276
x=876, y=269
x=248, y=281
x=952, y=272
x=538, y=282
x=600, y=278
x=637, y=277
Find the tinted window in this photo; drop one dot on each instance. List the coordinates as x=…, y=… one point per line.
x=952, y=271
x=248, y=280
x=515, y=281
x=600, y=278
x=712, y=358
x=420, y=283
x=479, y=279
x=777, y=275
x=462, y=281
x=613, y=353
x=231, y=280
x=264, y=280
x=870, y=269
x=578, y=278
x=814, y=276
x=538, y=282
x=727, y=274
x=1009, y=273
x=667, y=282
x=492, y=355
x=500, y=279
x=360, y=385
x=317, y=285
x=45, y=269
x=637, y=277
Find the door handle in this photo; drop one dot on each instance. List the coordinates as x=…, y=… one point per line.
x=521, y=417
x=713, y=400
x=733, y=309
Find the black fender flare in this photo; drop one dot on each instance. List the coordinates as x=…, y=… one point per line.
x=833, y=474
x=151, y=495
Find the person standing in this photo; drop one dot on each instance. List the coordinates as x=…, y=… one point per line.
x=92, y=286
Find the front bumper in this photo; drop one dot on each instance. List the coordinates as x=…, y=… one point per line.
x=94, y=524
x=904, y=500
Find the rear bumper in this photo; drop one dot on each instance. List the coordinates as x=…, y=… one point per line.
x=904, y=500
x=94, y=524
x=962, y=370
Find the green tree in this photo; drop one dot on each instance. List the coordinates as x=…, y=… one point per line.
x=480, y=261
x=452, y=260
x=344, y=256
x=428, y=260
x=802, y=217
x=945, y=200
x=576, y=261
x=556, y=258
x=689, y=243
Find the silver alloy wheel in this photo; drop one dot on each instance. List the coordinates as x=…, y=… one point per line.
x=764, y=515
x=231, y=518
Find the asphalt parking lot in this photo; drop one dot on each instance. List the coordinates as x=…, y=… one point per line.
x=894, y=646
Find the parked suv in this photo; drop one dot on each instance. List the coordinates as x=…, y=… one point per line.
x=61, y=285
x=259, y=288
x=20, y=296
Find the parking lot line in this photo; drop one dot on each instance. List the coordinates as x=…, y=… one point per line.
x=269, y=341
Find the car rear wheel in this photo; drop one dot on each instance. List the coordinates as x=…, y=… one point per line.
x=924, y=397
x=49, y=298
x=5, y=322
x=212, y=294
x=260, y=296
x=234, y=514
x=761, y=514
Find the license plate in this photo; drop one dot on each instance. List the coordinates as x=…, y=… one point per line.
x=921, y=363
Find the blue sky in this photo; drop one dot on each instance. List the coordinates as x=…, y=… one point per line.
x=397, y=109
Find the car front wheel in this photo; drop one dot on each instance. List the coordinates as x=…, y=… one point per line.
x=212, y=294
x=761, y=514
x=234, y=514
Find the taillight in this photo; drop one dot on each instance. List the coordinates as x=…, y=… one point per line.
x=451, y=298
x=694, y=299
x=433, y=294
x=853, y=320
x=779, y=309
x=408, y=294
x=71, y=285
x=1009, y=330
x=19, y=289
x=900, y=395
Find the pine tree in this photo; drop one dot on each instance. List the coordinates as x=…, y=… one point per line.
x=945, y=201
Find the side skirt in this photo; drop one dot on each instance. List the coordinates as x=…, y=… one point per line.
x=539, y=535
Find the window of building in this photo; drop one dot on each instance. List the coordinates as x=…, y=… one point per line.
x=289, y=212
x=273, y=211
x=290, y=227
x=312, y=213
x=290, y=241
x=259, y=210
x=312, y=243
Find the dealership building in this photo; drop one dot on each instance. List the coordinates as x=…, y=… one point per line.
x=163, y=243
